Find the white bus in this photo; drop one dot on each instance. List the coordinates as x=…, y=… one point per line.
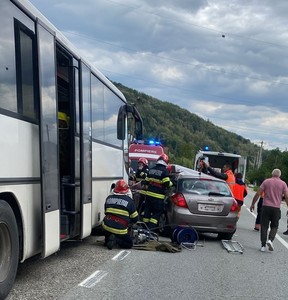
x=63, y=139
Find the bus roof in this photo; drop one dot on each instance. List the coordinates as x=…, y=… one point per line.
x=34, y=13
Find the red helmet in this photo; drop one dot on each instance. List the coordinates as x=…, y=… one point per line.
x=121, y=187
x=143, y=160
x=164, y=157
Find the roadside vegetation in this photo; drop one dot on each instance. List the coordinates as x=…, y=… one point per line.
x=184, y=134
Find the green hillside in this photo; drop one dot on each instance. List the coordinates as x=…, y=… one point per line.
x=183, y=132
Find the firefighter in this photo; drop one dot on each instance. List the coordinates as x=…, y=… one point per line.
x=141, y=174
x=142, y=169
x=157, y=182
x=120, y=211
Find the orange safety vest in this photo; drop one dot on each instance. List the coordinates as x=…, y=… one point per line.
x=239, y=191
x=230, y=180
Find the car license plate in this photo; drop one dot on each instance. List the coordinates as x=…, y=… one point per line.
x=210, y=207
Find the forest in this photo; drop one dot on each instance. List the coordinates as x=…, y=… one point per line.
x=184, y=133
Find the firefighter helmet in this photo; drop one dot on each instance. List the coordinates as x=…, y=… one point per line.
x=121, y=187
x=143, y=160
x=163, y=160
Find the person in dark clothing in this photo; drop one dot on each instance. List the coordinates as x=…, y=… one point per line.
x=257, y=225
x=142, y=169
x=120, y=211
x=286, y=232
x=201, y=167
x=240, y=189
x=157, y=182
x=258, y=217
x=141, y=174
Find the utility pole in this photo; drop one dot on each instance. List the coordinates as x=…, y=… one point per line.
x=259, y=156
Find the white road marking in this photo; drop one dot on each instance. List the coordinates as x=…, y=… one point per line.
x=121, y=255
x=93, y=279
x=97, y=276
x=278, y=237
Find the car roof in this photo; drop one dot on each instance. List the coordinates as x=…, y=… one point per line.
x=183, y=172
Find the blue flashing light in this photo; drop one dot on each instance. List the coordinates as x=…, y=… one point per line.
x=153, y=142
x=206, y=148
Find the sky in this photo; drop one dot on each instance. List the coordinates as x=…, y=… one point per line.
x=224, y=60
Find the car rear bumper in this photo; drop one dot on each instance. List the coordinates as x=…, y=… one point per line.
x=203, y=223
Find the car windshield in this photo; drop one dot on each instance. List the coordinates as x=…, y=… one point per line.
x=204, y=187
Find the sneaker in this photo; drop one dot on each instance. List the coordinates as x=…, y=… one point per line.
x=263, y=249
x=257, y=229
x=111, y=242
x=270, y=245
x=285, y=232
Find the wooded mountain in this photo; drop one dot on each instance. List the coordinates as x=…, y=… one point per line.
x=183, y=132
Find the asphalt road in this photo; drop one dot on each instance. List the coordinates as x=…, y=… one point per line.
x=86, y=270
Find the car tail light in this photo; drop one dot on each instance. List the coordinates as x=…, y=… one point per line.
x=179, y=200
x=235, y=206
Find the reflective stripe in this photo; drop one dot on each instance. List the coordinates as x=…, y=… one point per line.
x=114, y=230
x=153, y=180
x=134, y=215
x=117, y=211
x=151, y=220
x=154, y=221
x=159, y=196
x=166, y=179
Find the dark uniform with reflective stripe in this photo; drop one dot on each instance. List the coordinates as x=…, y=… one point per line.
x=158, y=182
x=119, y=212
x=141, y=174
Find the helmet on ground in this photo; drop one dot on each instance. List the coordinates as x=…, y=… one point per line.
x=163, y=160
x=143, y=160
x=121, y=187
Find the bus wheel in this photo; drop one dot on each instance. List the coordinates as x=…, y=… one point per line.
x=9, y=248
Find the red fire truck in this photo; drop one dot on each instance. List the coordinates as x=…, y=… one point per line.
x=150, y=150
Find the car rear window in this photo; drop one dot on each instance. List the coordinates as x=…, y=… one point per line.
x=203, y=186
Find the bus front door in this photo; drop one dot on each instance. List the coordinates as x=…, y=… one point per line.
x=48, y=143
x=86, y=153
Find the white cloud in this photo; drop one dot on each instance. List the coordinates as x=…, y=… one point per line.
x=223, y=60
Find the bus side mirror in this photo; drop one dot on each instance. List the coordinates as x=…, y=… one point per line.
x=121, y=122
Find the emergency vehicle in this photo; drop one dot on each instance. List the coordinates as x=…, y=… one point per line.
x=150, y=150
x=218, y=159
